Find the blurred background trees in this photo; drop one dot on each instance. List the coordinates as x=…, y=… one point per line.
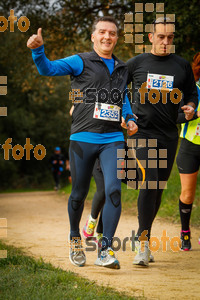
x=38, y=106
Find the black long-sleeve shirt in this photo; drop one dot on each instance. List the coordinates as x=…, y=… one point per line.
x=159, y=120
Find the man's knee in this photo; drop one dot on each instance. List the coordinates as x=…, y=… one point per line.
x=77, y=201
x=115, y=197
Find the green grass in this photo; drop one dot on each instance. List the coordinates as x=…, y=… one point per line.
x=23, y=278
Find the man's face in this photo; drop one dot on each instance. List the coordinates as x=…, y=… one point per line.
x=104, y=38
x=162, y=39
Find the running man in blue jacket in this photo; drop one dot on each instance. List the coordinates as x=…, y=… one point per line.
x=95, y=132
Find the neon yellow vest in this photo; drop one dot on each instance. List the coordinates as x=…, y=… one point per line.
x=191, y=130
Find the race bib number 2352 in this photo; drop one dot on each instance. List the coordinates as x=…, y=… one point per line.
x=108, y=112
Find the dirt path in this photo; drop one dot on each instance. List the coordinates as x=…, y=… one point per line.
x=39, y=223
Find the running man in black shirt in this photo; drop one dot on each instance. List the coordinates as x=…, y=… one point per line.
x=159, y=79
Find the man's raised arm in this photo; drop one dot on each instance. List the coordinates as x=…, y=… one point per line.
x=72, y=65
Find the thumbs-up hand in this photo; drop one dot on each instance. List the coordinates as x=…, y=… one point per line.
x=35, y=40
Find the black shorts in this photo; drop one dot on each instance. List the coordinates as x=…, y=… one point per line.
x=188, y=158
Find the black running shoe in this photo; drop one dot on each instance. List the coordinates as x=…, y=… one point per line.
x=185, y=240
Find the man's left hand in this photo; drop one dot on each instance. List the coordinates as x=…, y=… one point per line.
x=188, y=111
x=132, y=128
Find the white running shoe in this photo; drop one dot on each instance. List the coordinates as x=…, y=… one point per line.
x=76, y=254
x=143, y=252
x=137, y=244
x=107, y=259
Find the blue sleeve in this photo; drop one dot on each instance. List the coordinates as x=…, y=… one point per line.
x=126, y=109
x=72, y=65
